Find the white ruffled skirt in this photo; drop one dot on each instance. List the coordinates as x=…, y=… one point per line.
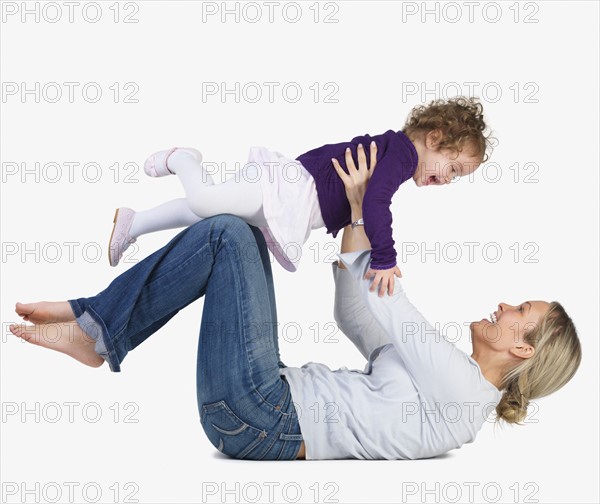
x=290, y=204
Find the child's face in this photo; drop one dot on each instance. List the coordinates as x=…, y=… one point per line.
x=440, y=166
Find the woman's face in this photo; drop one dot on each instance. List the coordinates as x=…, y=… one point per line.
x=506, y=327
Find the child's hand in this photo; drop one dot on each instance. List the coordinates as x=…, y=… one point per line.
x=386, y=277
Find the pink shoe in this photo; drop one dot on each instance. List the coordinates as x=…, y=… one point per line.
x=156, y=164
x=119, y=238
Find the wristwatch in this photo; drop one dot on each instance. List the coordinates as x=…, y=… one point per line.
x=358, y=222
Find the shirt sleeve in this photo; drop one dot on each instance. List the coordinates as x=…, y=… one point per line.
x=377, y=213
x=352, y=315
x=437, y=367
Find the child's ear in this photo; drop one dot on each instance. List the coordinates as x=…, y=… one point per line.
x=433, y=138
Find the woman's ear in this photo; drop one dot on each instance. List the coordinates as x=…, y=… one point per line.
x=524, y=350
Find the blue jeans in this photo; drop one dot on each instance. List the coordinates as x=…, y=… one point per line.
x=245, y=405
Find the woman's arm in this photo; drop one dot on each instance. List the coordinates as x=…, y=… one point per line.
x=352, y=315
x=369, y=321
x=437, y=366
x=356, y=185
x=354, y=239
x=349, y=311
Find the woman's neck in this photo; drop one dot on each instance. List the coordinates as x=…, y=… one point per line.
x=488, y=363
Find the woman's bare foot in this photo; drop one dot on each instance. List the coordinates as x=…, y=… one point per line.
x=65, y=337
x=45, y=312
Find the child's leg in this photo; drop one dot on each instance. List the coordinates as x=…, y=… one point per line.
x=241, y=195
x=172, y=214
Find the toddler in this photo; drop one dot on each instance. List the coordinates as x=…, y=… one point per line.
x=286, y=198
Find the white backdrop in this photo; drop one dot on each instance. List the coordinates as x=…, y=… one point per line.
x=199, y=74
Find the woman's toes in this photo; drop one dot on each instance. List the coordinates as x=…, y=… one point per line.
x=15, y=329
x=67, y=338
x=27, y=333
x=53, y=335
x=45, y=312
x=24, y=310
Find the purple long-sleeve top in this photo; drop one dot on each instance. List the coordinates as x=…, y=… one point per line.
x=396, y=163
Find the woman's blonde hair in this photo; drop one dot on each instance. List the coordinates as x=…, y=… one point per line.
x=555, y=360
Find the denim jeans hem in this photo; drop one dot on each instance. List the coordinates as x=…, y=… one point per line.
x=91, y=323
x=77, y=311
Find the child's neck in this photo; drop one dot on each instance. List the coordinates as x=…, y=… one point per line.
x=420, y=148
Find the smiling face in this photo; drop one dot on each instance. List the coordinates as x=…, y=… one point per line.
x=504, y=331
x=441, y=166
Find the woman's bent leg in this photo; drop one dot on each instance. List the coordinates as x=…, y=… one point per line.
x=245, y=405
x=142, y=299
x=238, y=362
x=266, y=262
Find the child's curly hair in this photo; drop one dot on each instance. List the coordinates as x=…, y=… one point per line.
x=459, y=119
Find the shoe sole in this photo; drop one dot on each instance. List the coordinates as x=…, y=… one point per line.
x=111, y=235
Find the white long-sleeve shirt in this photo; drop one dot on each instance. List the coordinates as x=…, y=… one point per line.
x=419, y=395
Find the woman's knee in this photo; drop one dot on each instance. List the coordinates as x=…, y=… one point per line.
x=244, y=243
x=224, y=226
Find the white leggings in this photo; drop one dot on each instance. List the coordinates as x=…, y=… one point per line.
x=240, y=195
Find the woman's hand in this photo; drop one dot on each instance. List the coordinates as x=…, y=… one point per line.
x=356, y=180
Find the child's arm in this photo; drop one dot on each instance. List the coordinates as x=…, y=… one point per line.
x=378, y=215
x=356, y=182
x=356, y=239
x=396, y=164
